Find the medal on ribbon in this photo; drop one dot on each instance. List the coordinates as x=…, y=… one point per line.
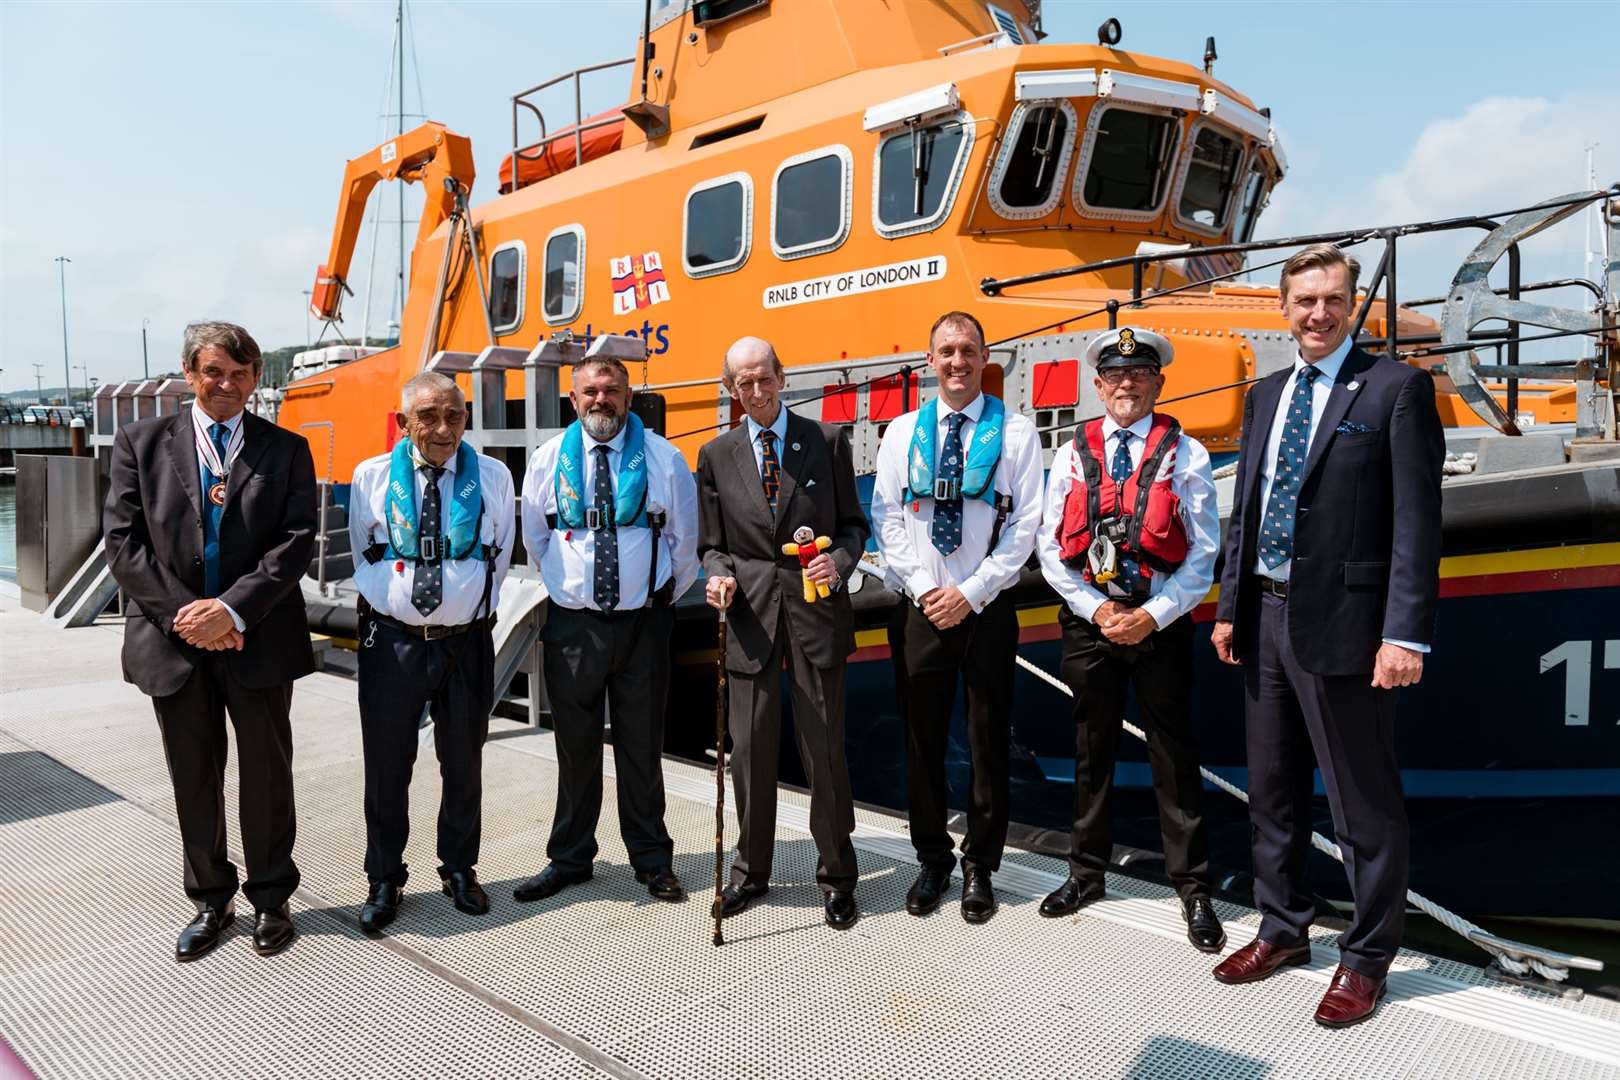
x=218, y=469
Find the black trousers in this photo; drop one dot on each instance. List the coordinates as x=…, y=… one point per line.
x=756, y=734
x=1348, y=727
x=1159, y=670
x=600, y=664
x=454, y=679
x=192, y=721
x=979, y=653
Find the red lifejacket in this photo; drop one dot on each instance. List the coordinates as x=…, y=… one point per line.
x=1152, y=531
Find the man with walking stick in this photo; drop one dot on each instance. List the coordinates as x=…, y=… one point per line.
x=772, y=476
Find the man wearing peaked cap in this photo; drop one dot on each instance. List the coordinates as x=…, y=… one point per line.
x=1128, y=539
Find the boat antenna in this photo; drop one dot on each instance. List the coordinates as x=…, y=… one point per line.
x=1209, y=55
x=646, y=46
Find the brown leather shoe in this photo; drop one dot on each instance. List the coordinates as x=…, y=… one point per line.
x=1351, y=998
x=1258, y=959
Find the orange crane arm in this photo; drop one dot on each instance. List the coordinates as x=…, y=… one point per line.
x=431, y=154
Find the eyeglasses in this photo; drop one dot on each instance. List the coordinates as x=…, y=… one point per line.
x=1141, y=373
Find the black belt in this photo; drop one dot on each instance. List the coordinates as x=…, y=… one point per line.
x=429, y=632
x=1276, y=588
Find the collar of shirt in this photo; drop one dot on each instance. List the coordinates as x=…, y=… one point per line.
x=777, y=426
x=972, y=410
x=423, y=463
x=614, y=444
x=1139, y=429
x=1330, y=364
x=208, y=422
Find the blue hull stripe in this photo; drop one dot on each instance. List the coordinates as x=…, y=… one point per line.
x=1417, y=783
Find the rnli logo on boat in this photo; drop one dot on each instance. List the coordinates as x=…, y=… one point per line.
x=638, y=282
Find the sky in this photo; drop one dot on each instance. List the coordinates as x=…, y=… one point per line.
x=186, y=157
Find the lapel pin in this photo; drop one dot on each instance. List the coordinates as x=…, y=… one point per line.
x=795, y=446
x=1352, y=385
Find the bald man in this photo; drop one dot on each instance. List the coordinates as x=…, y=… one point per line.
x=771, y=477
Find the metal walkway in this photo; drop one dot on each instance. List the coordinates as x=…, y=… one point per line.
x=603, y=980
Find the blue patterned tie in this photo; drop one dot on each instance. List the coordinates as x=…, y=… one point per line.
x=605, y=563
x=946, y=531
x=1277, y=530
x=427, y=581
x=1120, y=471
x=220, y=435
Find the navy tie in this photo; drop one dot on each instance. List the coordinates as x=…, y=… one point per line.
x=427, y=585
x=1120, y=471
x=605, y=566
x=220, y=435
x=1277, y=530
x=946, y=531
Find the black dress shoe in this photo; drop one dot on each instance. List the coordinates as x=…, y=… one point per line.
x=923, y=896
x=272, y=930
x=204, y=932
x=978, y=898
x=841, y=909
x=382, y=904
x=1203, y=925
x=548, y=882
x=1070, y=897
x=464, y=891
x=662, y=884
x=734, y=899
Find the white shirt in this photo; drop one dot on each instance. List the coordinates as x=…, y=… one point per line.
x=231, y=425
x=567, y=557
x=1170, y=596
x=912, y=563
x=778, y=427
x=387, y=586
x=1329, y=366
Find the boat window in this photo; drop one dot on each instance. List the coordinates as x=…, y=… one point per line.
x=810, y=205
x=506, y=287
x=1212, y=172
x=564, y=288
x=1128, y=166
x=1028, y=179
x=718, y=223
x=1250, y=203
x=918, y=172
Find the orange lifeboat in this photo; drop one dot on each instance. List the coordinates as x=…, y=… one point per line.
x=599, y=136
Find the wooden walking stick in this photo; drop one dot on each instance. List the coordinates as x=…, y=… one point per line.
x=720, y=776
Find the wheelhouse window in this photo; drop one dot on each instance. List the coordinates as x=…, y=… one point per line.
x=1212, y=174
x=1128, y=168
x=1029, y=177
x=1252, y=200
x=717, y=225
x=918, y=172
x=810, y=203
x=506, y=287
x=563, y=293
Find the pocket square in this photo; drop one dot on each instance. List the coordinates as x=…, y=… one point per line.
x=810, y=483
x=1350, y=427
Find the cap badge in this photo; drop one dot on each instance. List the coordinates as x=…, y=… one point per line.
x=1127, y=342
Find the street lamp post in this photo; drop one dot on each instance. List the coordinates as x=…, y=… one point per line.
x=84, y=378
x=39, y=383
x=61, y=269
x=146, y=370
x=307, y=294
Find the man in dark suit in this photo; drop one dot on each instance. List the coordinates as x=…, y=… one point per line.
x=772, y=475
x=1327, y=601
x=209, y=523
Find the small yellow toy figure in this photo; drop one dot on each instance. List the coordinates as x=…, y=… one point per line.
x=807, y=546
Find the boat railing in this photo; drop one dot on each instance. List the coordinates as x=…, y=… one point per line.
x=521, y=101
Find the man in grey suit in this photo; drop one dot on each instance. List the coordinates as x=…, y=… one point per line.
x=771, y=476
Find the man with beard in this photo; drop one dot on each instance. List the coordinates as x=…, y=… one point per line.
x=610, y=517
x=1128, y=542
x=431, y=523
x=209, y=524
x=956, y=503
x=769, y=477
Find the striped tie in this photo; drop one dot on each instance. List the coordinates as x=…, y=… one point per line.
x=770, y=468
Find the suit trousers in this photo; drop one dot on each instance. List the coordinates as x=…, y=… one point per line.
x=192, y=721
x=452, y=678
x=1159, y=669
x=756, y=734
x=1349, y=727
x=600, y=665
x=979, y=652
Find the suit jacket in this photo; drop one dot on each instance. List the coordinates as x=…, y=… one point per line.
x=738, y=537
x=1367, y=529
x=154, y=536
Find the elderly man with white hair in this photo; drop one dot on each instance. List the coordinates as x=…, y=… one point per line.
x=431, y=525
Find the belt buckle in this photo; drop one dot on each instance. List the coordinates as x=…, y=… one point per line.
x=594, y=518
x=947, y=489
x=429, y=549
